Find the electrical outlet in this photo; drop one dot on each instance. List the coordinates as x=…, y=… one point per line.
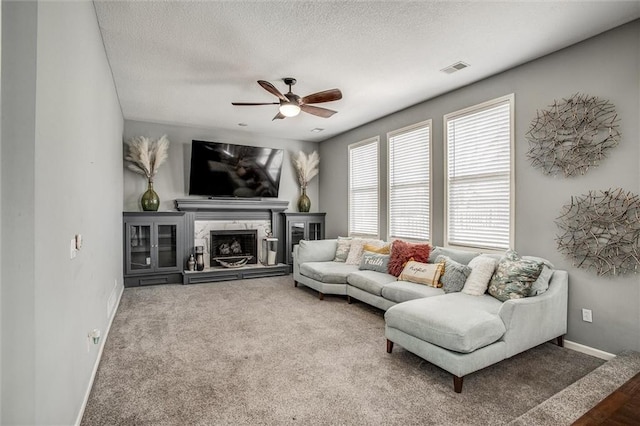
x=586, y=315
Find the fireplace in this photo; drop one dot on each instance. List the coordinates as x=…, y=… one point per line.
x=233, y=246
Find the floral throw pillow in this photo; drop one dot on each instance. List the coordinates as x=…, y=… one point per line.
x=514, y=277
x=402, y=252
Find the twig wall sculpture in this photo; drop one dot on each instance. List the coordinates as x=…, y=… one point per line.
x=601, y=231
x=572, y=135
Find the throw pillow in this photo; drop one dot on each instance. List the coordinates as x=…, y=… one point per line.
x=541, y=285
x=374, y=262
x=482, y=268
x=342, y=251
x=402, y=251
x=385, y=249
x=422, y=273
x=455, y=274
x=357, y=247
x=514, y=277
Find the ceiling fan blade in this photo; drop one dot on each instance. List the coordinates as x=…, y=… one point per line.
x=272, y=89
x=255, y=103
x=279, y=116
x=319, y=111
x=325, y=96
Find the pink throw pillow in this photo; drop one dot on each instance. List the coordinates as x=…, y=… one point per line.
x=402, y=252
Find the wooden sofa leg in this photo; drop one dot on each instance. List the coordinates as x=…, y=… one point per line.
x=560, y=341
x=320, y=296
x=389, y=346
x=295, y=283
x=457, y=384
x=349, y=299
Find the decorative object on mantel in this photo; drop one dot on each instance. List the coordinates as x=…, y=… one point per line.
x=572, y=135
x=145, y=157
x=601, y=231
x=200, y=258
x=306, y=168
x=191, y=263
x=237, y=264
x=269, y=250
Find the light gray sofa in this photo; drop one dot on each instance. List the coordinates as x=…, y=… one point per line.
x=459, y=333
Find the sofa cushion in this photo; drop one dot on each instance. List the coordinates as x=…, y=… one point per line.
x=482, y=268
x=460, y=256
x=357, y=247
x=422, y=273
x=342, y=250
x=374, y=262
x=402, y=252
x=514, y=277
x=385, y=249
x=370, y=281
x=457, y=321
x=327, y=272
x=455, y=274
x=541, y=285
x=316, y=250
x=401, y=291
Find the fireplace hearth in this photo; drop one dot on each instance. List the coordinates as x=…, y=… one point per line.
x=233, y=246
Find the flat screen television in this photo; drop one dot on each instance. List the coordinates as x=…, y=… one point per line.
x=238, y=171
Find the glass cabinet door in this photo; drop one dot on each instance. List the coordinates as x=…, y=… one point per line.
x=167, y=246
x=297, y=233
x=315, y=231
x=139, y=241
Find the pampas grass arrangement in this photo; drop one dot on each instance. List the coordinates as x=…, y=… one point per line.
x=146, y=156
x=306, y=167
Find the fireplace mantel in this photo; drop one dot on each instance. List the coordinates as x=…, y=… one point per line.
x=230, y=205
x=233, y=209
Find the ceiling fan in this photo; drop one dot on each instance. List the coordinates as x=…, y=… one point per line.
x=291, y=104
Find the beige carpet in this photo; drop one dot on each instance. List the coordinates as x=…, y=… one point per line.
x=263, y=352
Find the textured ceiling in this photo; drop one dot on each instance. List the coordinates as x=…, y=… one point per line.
x=182, y=62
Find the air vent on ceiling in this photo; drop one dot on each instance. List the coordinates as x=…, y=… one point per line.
x=455, y=67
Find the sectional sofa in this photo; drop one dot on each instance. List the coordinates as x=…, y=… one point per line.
x=458, y=332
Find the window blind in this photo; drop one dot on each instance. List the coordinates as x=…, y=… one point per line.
x=363, y=188
x=409, y=182
x=478, y=206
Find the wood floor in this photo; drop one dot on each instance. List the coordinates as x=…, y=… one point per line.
x=622, y=407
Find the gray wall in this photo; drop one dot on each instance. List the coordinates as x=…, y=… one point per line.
x=606, y=66
x=61, y=176
x=18, y=211
x=172, y=180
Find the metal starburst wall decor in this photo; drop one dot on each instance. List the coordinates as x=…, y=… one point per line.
x=572, y=135
x=601, y=231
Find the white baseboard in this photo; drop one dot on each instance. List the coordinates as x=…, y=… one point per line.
x=588, y=350
x=98, y=358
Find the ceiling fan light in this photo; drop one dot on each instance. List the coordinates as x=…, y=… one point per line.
x=289, y=109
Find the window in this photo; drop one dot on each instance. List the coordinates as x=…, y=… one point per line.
x=479, y=175
x=363, y=188
x=410, y=182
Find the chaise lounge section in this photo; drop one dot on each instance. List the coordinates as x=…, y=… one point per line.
x=458, y=332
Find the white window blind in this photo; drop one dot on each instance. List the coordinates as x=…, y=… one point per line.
x=409, y=182
x=363, y=188
x=479, y=170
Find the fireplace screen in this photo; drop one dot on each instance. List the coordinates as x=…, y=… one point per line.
x=234, y=247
